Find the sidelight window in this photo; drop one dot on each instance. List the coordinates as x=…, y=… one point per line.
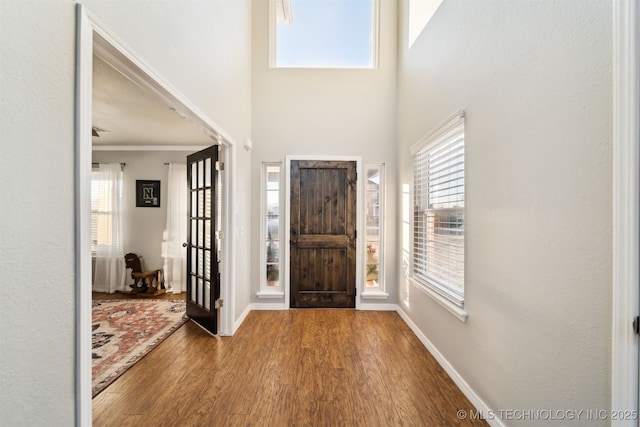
x=374, y=217
x=270, y=271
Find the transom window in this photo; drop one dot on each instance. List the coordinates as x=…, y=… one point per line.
x=324, y=33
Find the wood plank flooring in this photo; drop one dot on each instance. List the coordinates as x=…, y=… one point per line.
x=308, y=367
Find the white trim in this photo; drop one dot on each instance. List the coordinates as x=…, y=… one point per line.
x=227, y=269
x=378, y=307
x=375, y=41
x=439, y=132
x=374, y=293
x=94, y=38
x=626, y=189
x=149, y=147
x=241, y=318
x=266, y=293
x=287, y=221
x=446, y=303
x=273, y=22
x=475, y=400
x=83, y=257
x=261, y=306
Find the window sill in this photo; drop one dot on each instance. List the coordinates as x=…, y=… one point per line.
x=268, y=293
x=452, y=308
x=374, y=294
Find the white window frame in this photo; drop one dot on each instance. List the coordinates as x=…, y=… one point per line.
x=378, y=290
x=450, y=300
x=94, y=211
x=267, y=291
x=281, y=10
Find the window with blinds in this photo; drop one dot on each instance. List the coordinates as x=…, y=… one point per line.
x=438, y=215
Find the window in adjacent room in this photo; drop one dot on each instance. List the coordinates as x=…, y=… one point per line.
x=103, y=187
x=438, y=213
x=324, y=33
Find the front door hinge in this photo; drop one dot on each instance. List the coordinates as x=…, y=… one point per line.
x=219, y=166
x=636, y=325
x=220, y=235
x=355, y=292
x=219, y=303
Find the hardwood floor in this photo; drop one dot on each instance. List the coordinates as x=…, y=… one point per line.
x=326, y=367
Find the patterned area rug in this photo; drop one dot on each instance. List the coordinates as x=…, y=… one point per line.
x=125, y=330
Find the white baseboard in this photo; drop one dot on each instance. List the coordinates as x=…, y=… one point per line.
x=281, y=306
x=268, y=306
x=475, y=400
x=378, y=307
x=240, y=319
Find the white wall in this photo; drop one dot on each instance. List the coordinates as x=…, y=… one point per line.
x=202, y=49
x=36, y=213
x=323, y=112
x=143, y=227
x=535, y=81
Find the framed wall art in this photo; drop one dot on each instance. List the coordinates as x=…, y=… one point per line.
x=147, y=194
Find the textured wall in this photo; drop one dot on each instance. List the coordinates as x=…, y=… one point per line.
x=535, y=80
x=37, y=213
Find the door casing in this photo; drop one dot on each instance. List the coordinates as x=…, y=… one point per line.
x=287, y=222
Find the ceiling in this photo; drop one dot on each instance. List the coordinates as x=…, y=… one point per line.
x=131, y=116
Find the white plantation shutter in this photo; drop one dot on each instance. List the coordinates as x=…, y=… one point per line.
x=438, y=222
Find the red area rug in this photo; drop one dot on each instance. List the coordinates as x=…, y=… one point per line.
x=125, y=330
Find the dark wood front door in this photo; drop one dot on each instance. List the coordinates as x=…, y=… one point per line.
x=203, y=277
x=323, y=233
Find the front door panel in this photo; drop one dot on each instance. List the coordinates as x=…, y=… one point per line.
x=323, y=233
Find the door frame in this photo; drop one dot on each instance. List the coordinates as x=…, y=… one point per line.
x=626, y=212
x=94, y=37
x=287, y=221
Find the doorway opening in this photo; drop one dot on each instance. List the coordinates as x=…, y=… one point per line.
x=92, y=38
